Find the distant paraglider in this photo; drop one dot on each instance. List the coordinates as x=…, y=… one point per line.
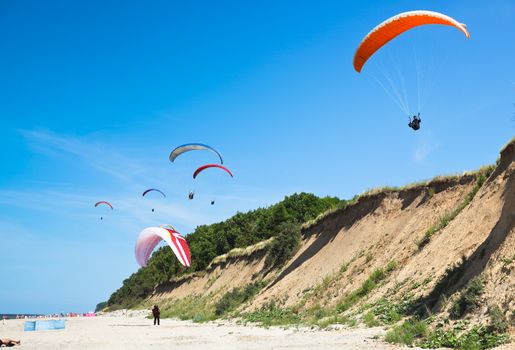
x=150, y=237
x=193, y=147
x=153, y=190
x=103, y=203
x=191, y=194
x=208, y=166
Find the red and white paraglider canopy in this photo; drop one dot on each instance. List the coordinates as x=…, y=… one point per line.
x=150, y=237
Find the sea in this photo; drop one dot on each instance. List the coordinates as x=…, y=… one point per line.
x=13, y=316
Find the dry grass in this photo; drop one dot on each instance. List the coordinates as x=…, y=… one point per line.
x=241, y=252
x=486, y=169
x=342, y=206
x=512, y=141
x=187, y=276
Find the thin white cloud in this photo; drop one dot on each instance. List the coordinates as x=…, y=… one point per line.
x=132, y=212
x=98, y=155
x=48, y=201
x=425, y=147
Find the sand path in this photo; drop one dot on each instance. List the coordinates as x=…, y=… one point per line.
x=138, y=333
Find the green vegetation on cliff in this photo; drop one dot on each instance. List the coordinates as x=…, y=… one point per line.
x=208, y=241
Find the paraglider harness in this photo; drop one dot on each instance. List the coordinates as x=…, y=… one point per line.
x=415, y=123
x=191, y=194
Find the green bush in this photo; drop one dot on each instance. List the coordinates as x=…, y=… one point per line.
x=478, y=338
x=443, y=288
x=101, y=306
x=481, y=338
x=236, y=297
x=370, y=320
x=194, y=307
x=201, y=318
x=284, y=246
x=388, y=312
x=440, y=338
x=370, y=283
x=469, y=298
x=272, y=315
x=498, y=323
x=406, y=333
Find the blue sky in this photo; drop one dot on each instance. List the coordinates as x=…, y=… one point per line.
x=95, y=94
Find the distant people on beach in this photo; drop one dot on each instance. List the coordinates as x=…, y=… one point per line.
x=156, y=313
x=9, y=342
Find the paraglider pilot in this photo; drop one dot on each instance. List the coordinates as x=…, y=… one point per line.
x=415, y=123
x=156, y=313
x=191, y=194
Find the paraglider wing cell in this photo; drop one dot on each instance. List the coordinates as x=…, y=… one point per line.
x=153, y=189
x=207, y=166
x=397, y=25
x=193, y=147
x=147, y=241
x=168, y=226
x=105, y=203
x=180, y=247
x=150, y=237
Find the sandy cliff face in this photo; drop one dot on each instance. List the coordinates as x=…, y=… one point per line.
x=345, y=247
x=233, y=270
x=378, y=228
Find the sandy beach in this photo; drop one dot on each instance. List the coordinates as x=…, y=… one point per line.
x=139, y=333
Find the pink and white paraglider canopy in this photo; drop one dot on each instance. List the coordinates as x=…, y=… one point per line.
x=150, y=237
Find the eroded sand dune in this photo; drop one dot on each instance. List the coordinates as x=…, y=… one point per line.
x=385, y=226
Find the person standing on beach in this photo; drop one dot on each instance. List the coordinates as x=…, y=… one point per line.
x=156, y=313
